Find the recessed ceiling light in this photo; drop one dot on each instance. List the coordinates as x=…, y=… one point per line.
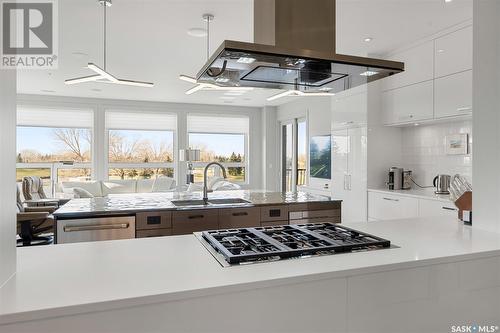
x=245, y=60
x=416, y=124
x=197, y=32
x=368, y=39
x=446, y=1
x=369, y=73
x=440, y=51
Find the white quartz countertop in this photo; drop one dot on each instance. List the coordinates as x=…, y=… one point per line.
x=421, y=193
x=82, y=277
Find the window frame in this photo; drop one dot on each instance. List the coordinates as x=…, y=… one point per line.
x=294, y=122
x=140, y=165
x=245, y=164
x=55, y=166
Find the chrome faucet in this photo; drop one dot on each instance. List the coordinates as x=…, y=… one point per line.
x=205, y=188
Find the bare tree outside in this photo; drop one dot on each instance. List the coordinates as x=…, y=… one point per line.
x=126, y=148
x=75, y=142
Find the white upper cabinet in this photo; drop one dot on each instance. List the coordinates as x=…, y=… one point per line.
x=408, y=104
x=419, y=66
x=453, y=53
x=437, y=81
x=453, y=95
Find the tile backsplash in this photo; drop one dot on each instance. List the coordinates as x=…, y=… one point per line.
x=424, y=151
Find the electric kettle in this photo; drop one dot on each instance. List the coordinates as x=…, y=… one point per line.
x=442, y=184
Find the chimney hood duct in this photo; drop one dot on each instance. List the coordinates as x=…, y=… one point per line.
x=294, y=49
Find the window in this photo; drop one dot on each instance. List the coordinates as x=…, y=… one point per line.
x=293, y=154
x=54, y=144
x=140, y=145
x=301, y=152
x=222, y=139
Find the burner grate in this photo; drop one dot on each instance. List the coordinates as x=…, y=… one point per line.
x=239, y=246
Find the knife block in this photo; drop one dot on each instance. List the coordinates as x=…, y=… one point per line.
x=464, y=203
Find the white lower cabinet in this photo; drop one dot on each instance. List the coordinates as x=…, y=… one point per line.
x=386, y=206
x=383, y=206
x=433, y=208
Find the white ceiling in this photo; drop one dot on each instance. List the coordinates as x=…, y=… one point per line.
x=148, y=41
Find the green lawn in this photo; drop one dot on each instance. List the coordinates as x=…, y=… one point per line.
x=42, y=173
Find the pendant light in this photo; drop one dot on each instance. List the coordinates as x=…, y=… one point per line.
x=208, y=86
x=102, y=75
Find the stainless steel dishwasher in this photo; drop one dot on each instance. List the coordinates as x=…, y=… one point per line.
x=95, y=229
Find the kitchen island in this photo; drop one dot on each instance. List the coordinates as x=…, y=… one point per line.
x=439, y=270
x=140, y=215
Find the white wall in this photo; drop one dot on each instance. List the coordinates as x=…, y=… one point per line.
x=181, y=110
x=384, y=143
x=486, y=115
x=424, y=151
x=8, y=172
x=270, y=149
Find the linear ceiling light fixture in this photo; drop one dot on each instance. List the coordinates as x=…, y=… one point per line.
x=298, y=93
x=209, y=86
x=102, y=75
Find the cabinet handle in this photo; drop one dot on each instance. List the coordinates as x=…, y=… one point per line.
x=390, y=199
x=191, y=217
x=467, y=108
x=95, y=227
x=449, y=208
x=240, y=214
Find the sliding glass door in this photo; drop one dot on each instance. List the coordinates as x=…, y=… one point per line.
x=293, y=154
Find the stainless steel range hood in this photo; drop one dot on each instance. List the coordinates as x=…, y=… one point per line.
x=294, y=49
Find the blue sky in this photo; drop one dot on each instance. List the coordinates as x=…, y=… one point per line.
x=36, y=138
x=42, y=140
x=224, y=144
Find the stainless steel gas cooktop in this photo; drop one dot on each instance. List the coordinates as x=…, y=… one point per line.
x=264, y=244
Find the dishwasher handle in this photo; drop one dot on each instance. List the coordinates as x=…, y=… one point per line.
x=96, y=227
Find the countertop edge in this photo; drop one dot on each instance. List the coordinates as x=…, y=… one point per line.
x=116, y=304
x=176, y=209
x=411, y=195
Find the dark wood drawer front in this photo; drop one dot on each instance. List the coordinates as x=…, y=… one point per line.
x=273, y=224
x=333, y=219
x=274, y=213
x=195, y=220
x=153, y=233
x=308, y=206
x=239, y=218
x=153, y=220
x=314, y=214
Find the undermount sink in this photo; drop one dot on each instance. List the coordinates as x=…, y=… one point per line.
x=228, y=201
x=211, y=202
x=186, y=203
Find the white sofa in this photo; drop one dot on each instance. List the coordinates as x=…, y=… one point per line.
x=103, y=188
